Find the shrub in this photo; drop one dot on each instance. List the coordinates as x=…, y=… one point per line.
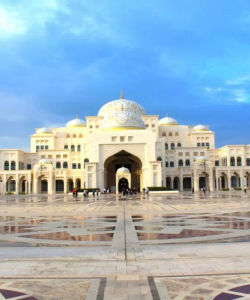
x=237, y=189
x=158, y=188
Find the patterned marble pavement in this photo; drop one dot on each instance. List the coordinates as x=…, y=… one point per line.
x=153, y=247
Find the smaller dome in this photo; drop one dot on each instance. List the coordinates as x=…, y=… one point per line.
x=44, y=130
x=200, y=127
x=122, y=170
x=167, y=121
x=75, y=123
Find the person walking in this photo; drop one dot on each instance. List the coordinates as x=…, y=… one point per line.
x=74, y=192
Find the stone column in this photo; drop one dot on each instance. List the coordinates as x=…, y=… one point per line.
x=4, y=184
x=65, y=185
x=229, y=180
x=35, y=185
x=211, y=181
x=196, y=181
x=181, y=183
x=17, y=185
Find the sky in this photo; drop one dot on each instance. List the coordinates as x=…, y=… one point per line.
x=189, y=59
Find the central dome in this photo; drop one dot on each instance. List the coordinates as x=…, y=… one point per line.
x=122, y=114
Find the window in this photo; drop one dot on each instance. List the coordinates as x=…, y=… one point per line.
x=166, y=146
x=79, y=166
x=153, y=125
x=91, y=126
x=232, y=161
x=187, y=163
x=177, y=133
x=37, y=148
x=187, y=153
x=180, y=163
x=86, y=160
x=198, y=144
x=166, y=164
x=207, y=145
x=73, y=166
x=202, y=153
x=113, y=139
x=50, y=156
x=74, y=136
x=180, y=154
x=66, y=147
x=171, y=164
x=239, y=161
x=28, y=166
x=46, y=147
x=164, y=134
x=78, y=148
x=179, y=145
x=58, y=156
x=217, y=163
x=159, y=158
x=65, y=165
x=172, y=146
x=80, y=135
x=67, y=136
x=248, y=161
x=42, y=147
x=203, y=144
x=13, y=165
x=96, y=126
x=6, y=165
x=122, y=138
x=170, y=134
x=195, y=153
x=72, y=147
x=130, y=138
x=58, y=165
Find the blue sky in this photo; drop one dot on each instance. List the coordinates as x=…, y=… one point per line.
x=187, y=58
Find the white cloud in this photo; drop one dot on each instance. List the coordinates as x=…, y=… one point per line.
x=11, y=22
x=239, y=80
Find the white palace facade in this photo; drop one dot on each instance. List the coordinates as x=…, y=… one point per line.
x=123, y=146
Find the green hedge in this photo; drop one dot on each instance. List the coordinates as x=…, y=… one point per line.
x=158, y=188
x=237, y=189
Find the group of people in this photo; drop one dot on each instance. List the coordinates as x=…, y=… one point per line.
x=95, y=193
x=128, y=191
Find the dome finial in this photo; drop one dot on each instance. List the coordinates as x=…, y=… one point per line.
x=121, y=97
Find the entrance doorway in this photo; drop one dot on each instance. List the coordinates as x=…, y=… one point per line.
x=123, y=184
x=118, y=160
x=44, y=186
x=59, y=186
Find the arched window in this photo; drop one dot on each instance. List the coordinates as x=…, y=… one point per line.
x=66, y=147
x=179, y=145
x=13, y=165
x=65, y=165
x=248, y=161
x=239, y=161
x=232, y=161
x=166, y=146
x=58, y=165
x=6, y=165
x=172, y=146
x=79, y=148
x=187, y=163
x=159, y=158
x=73, y=166
x=86, y=160
x=72, y=147
x=180, y=163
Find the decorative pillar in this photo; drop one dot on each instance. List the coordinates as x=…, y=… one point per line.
x=181, y=183
x=65, y=185
x=211, y=181
x=17, y=185
x=35, y=185
x=229, y=180
x=196, y=181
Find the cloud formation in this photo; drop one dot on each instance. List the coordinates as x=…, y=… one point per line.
x=186, y=58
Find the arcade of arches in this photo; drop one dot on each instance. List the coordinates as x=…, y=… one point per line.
x=127, y=160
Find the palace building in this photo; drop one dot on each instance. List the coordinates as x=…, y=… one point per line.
x=123, y=146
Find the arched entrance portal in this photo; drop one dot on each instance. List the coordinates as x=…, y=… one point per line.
x=127, y=160
x=123, y=184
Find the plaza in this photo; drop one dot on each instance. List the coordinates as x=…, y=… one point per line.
x=156, y=246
